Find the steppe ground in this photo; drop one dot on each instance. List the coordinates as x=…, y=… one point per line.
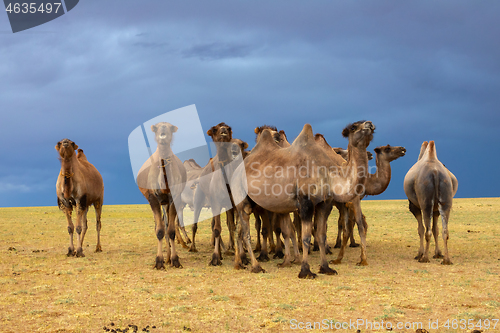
x=42, y=290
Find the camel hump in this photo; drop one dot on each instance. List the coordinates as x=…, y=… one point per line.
x=431, y=150
x=423, y=148
x=81, y=156
x=305, y=137
x=266, y=142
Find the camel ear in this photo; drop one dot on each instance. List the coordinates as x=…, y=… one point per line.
x=174, y=129
x=153, y=128
x=58, y=145
x=257, y=130
x=378, y=150
x=245, y=145
x=75, y=146
x=209, y=132
x=345, y=132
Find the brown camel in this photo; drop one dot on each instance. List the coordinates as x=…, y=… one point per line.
x=79, y=185
x=302, y=177
x=375, y=184
x=161, y=180
x=430, y=188
x=228, y=150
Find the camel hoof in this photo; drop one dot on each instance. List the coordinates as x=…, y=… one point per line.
x=328, y=250
x=285, y=264
x=98, y=248
x=327, y=270
x=354, y=245
x=215, y=260
x=424, y=259
x=79, y=253
x=193, y=249
x=447, y=262
x=279, y=255
x=185, y=246
x=438, y=256
x=336, y=261
x=160, y=263
x=418, y=256
x=263, y=257
x=337, y=245
x=305, y=273
x=239, y=266
x=71, y=252
x=257, y=269
x=362, y=263
x=175, y=262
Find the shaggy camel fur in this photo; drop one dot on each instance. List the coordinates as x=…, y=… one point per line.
x=375, y=184
x=302, y=177
x=161, y=180
x=430, y=188
x=79, y=185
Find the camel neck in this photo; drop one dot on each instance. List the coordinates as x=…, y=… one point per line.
x=222, y=151
x=164, y=151
x=377, y=182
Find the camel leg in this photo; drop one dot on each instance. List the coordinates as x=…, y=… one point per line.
x=182, y=228
x=298, y=229
x=306, y=211
x=216, y=234
x=295, y=243
x=314, y=230
x=231, y=226
x=71, y=227
x=98, y=211
x=338, y=243
x=445, y=215
x=277, y=230
x=344, y=218
x=171, y=226
x=417, y=212
x=285, y=231
x=352, y=223
x=199, y=198
x=159, y=231
x=270, y=232
x=358, y=215
x=245, y=209
x=435, y=233
x=81, y=208
x=321, y=213
x=266, y=224
x=258, y=225
x=178, y=235
x=427, y=213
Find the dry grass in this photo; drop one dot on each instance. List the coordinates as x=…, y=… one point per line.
x=44, y=291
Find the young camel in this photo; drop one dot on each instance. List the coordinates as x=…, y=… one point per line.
x=301, y=177
x=161, y=180
x=79, y=185
x=375, y=184
x=430, y=188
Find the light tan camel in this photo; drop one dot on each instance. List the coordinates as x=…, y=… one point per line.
x=79, y=185
x=161, y=180
x=375, y=184
x=430, y=188
x=302, y=177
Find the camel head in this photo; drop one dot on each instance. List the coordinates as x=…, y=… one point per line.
x=360, y=133
x=221, y=133
x=66, y=148
x=238, y=147
x=390, y=153
x=164, y=132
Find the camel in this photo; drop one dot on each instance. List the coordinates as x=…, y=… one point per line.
x=269, y=221
x=79, y=185
x=301, y=177
x=375, y=184
x=161, y=180
x=430, y=188
x=228, y=150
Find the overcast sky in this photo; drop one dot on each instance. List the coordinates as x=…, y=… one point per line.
x=420, y=70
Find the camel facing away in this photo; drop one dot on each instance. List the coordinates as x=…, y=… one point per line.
x=430, y=188
x=302, y=177
x=161, y=180
x=79, y=185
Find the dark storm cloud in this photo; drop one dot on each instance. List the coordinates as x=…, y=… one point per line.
x=418, y=70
